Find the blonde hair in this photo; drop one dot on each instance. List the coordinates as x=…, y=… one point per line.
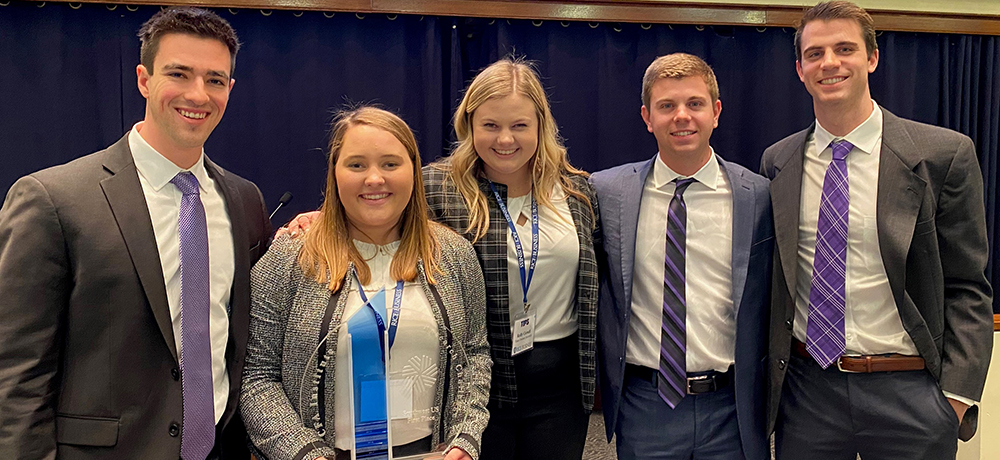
x=549, y=163
x=327, y=248
x=678, y=65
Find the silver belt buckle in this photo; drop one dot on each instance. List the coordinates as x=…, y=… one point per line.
x=841, y=368
x=695, y=379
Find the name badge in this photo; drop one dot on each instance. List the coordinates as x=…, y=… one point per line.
x=523, y=334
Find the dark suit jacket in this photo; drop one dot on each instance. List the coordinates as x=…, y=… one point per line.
x=88, y=366
x=932, y=236
x=619, y=191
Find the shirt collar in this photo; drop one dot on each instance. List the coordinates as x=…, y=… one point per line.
x=864, y=138
x=708, y=175
x=157, y=169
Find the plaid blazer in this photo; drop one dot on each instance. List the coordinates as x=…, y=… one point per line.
x=447, y=207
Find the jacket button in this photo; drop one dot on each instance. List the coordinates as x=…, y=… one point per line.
x=174, y=430
x=781, y=364
x=788, y=324
x=175, y=373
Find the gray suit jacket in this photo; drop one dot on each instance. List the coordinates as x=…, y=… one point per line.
x=932, y=236
x=88, y=365
x=619, y=190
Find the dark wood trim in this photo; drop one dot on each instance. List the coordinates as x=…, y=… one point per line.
x=996, y=323
x=635, y=11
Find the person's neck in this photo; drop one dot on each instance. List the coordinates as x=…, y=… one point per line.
x=374, y=236
x=686, y=166
x=518, y=184
x=840, y=119
x=184, y=158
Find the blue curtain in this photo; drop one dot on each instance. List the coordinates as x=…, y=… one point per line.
x=67, y=86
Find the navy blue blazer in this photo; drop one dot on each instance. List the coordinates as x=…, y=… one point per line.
x=619, y=191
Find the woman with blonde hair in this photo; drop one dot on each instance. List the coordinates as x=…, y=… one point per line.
x=371, y=232
x=509, y=188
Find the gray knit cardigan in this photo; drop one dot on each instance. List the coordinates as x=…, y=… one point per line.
x=279, y=393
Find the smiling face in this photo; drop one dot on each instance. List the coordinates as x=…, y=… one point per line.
x=834, y=65
x=374, y=182
x=186, y=94
x=505, y=135
x=681, y=115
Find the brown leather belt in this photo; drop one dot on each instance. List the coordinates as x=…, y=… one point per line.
x=867, y=364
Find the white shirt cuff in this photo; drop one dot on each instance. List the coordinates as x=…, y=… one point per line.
x=961, y=399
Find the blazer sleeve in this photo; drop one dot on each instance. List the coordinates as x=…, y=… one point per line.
x=35, y=283
x=961, y=233
x=272, y=423
x=469, y=411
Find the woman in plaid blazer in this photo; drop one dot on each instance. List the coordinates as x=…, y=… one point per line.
x=509, y=152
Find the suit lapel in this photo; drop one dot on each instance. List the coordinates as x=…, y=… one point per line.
x=128, y=204
x=632, y=183
x=744, y=208
x=787, y=186
x=239, y=310
x=900, y=191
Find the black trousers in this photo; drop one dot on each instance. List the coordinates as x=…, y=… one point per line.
x=548, y=422
x=833, y=415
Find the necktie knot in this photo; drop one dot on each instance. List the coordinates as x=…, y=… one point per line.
x=682, y=185
x=186, y=183
x=841, y=148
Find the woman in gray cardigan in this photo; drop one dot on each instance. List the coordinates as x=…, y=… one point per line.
x=372, y=231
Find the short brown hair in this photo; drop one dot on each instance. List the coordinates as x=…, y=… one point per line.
x=837, y=9
x=185, y=20
x=678, y=65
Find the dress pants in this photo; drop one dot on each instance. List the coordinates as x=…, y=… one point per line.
x=833, y=415
x=548, y=422
x=701, y=427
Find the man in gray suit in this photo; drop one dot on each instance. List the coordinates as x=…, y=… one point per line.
x=881, y=320
x=124, y=275
x=682, y=315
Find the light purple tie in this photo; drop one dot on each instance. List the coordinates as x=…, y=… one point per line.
x=671, y=381
x=198, y=428
x=825, y=328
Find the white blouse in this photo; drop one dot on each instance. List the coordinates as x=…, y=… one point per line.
x=552, y=293
x=413, y=363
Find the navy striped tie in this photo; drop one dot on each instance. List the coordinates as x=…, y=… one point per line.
x=672, y=378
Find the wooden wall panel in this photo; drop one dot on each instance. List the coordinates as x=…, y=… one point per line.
x=637, y=11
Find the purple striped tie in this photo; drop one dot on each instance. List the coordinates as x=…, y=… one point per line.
x=671, y=381
x=825, y=328
x=198, y=428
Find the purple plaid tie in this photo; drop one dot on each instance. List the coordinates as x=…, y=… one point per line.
x=671, y=381
x=825, y=329
x=198, y=428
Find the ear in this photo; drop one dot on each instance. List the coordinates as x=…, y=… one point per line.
x=718, y=111
x=873, y=61
x=645, y=117
x=798, y=70
x=232, y=83
x=142, y=80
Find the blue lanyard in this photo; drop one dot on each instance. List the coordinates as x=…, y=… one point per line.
x=525, y=277
x=397, y=302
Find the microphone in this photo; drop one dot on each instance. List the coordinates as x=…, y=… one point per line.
x=281, y=202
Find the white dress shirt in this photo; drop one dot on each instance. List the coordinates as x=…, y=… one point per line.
x=552, y=293
x=413, y=363
x=871, y=320
x=710, y=319
x=164, y=201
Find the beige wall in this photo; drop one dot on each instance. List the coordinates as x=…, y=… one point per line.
x=991, y=7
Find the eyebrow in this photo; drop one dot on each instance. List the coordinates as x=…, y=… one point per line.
x=836, y=45
x=184, y=68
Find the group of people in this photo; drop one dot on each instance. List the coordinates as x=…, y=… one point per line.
x=838, y=299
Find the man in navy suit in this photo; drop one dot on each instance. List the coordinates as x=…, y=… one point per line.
x=683, y=317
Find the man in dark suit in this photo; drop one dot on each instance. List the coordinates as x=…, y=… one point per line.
x=682, y=314
x=880, y=326
x=124, y=275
